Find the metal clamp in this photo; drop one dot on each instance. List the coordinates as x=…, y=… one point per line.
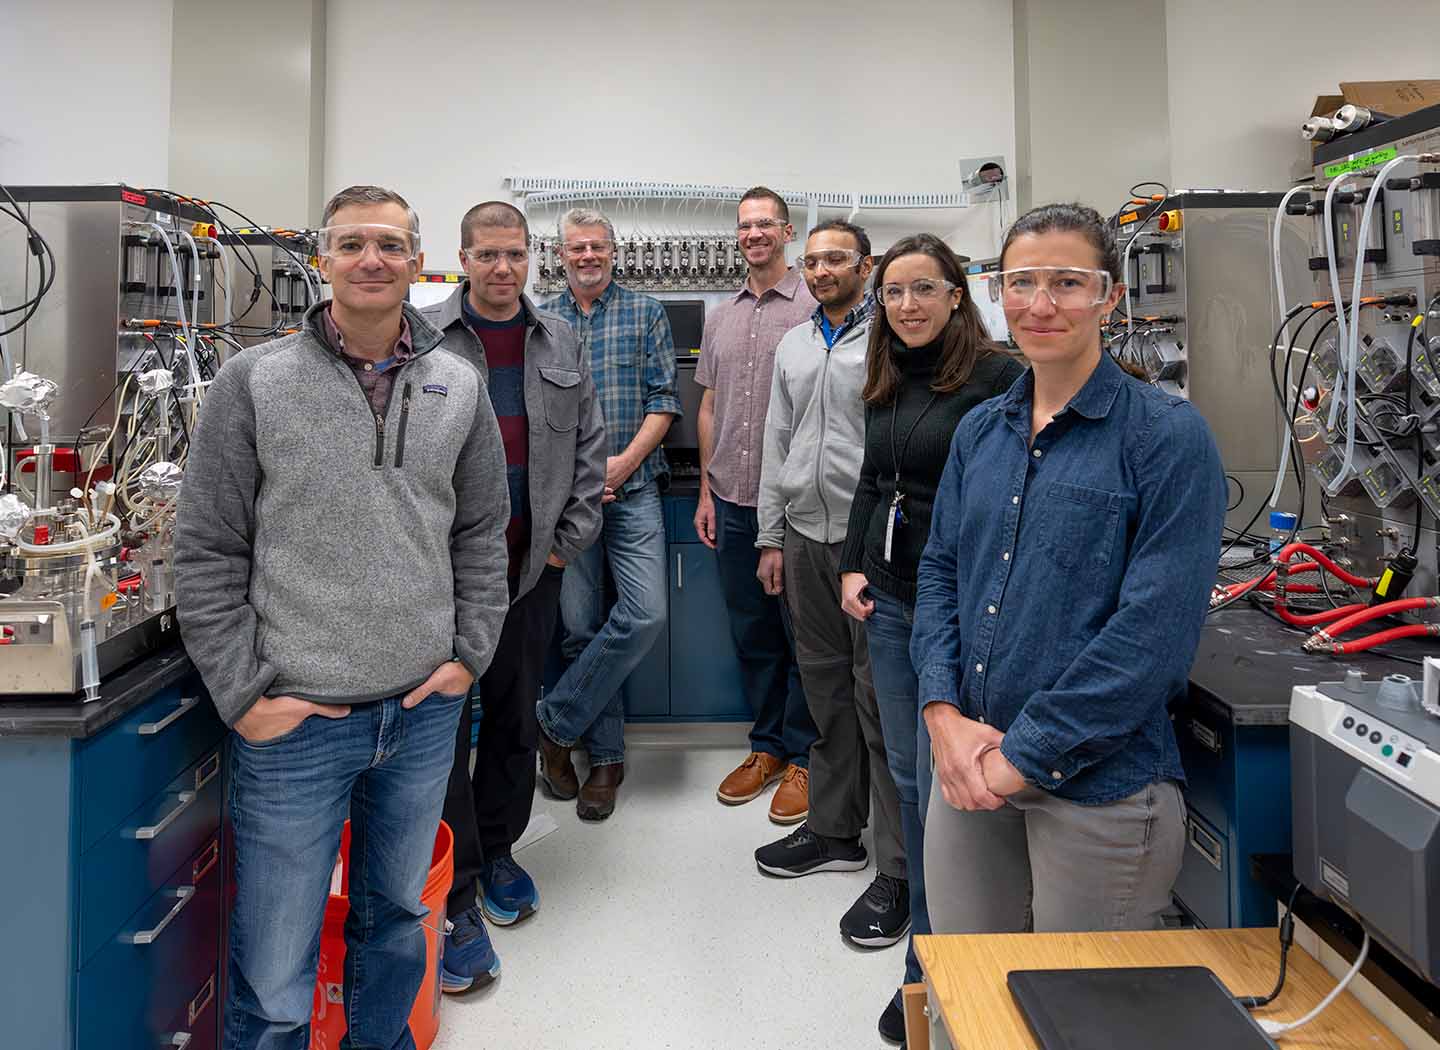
x=150, y=831
x=187, y=703
x=184, y=895
x=202, y=1000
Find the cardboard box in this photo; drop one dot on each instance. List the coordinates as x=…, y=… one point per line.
x=1393, y=97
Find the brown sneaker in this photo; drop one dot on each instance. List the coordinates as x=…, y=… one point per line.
x=791, y=803
x=557, y=772
x=750, y=778
x=597, y=797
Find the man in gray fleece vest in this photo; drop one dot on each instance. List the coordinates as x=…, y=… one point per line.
x=341, y=562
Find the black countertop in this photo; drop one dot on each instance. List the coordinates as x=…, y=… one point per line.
x=119, y=695
x=1416, y=997
x=1247, y=664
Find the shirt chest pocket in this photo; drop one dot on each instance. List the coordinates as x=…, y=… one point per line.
x=1081, y=527
x=560, y=392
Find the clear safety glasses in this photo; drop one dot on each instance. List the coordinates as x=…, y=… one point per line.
x=833, y=259
x=1066, y=288
x=393, y=243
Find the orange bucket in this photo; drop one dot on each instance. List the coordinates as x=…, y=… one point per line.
x=327, y=1021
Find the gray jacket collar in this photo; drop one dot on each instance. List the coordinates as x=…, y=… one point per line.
x=451, y=312
x=424, y=336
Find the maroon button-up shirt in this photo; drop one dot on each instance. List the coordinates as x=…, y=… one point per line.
x=737, y=360
x=377, y=378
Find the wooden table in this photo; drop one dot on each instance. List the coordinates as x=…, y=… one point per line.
x=966, y=978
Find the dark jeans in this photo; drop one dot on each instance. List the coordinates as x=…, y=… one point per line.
x=385, y=768
x=489, y=810
x=760, y=628
x=907, y=745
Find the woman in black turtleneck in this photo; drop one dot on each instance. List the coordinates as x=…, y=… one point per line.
x=929, y=362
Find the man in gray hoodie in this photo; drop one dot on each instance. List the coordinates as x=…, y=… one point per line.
x=814, y=445
x=340, y=553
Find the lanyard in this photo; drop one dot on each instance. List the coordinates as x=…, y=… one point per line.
x=896, y=516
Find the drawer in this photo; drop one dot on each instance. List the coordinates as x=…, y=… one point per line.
x=1204, y=883
x=135, y=758
x=132, y=993
x=128, y=865
x=1207, y=752
x=197, y=1025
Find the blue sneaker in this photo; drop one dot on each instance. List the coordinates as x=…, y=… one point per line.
x=507, y=893
x=467, y=960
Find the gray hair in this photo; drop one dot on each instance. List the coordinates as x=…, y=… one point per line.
x=584, y=217
x=368, y=195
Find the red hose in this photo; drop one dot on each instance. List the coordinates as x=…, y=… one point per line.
x=1373, y=612
x=1414, y=630
x=1311, y=619
x=1323, y=559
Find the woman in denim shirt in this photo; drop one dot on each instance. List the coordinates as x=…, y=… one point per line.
x=929, y=362
x=1061, y=597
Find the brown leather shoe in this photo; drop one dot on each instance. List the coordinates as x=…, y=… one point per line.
x=791, y=803
x=597, y=797
x=557, y=772
x=750, y=778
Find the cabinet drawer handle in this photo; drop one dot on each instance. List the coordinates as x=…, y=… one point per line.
x=180, y=1040
x=1207, y=845
x=184, y=895
x=202, y=1000
x=150, y=831
x=679, y=571
x=1209, y=739
x=187, y=703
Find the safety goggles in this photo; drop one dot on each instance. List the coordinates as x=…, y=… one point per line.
x=922, y=290
x=1066, y=287
x=491, y=256
x=832, y=259
x=393, y=243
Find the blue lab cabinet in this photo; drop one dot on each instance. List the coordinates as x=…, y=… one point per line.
x=114, y=868
x=692, y=673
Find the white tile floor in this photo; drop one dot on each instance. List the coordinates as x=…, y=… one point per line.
x=656, y=930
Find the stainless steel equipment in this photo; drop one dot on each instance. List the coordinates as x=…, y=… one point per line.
x=1365, y=781
x=289, y=280
x=108, y=373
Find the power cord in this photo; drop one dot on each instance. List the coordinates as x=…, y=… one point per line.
x=1284, y=1028
x=1287, y=938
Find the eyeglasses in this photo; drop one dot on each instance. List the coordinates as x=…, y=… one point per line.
x=922, y=290
x=834, y=259
x=394, y=243
x=579, y=248
x=742, y=228
x=490, y=256
x=1066, y=288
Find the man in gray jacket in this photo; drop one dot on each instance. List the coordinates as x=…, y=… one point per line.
x=340, y=552
x=554, y=439
x=814, y=444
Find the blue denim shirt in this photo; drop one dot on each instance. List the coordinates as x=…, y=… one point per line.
x=1064, y=585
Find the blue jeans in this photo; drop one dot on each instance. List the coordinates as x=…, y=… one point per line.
x=907, y=745
x=385, y=768
x=586, y=706
x=764, y=641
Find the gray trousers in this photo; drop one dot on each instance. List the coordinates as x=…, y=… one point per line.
x=1044, y=864
x=848, y=766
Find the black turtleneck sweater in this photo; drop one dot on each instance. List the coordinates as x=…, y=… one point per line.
x=921, y=461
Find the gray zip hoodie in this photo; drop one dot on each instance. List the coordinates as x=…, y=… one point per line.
x=326, y=554
x=814, y=435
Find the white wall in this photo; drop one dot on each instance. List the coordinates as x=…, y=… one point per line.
x=1244, y=75
x=1093, y=108
x=80, y=101
x=798, y=95
x=241, y=120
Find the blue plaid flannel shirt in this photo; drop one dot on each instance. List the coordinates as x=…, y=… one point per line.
x=632, y=361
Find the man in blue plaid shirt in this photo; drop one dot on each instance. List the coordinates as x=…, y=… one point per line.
x=632, y=362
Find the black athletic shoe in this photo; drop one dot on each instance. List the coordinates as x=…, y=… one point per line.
x=802, y=852
x=892, y=1022
x=881, y=916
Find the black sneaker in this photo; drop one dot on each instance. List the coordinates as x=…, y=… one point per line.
x=892, y=1022
x=881, y=916
x=802, y=852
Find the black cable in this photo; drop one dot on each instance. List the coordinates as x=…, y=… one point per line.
x=1241, y=497
x=1287, y=938
x=40, y=248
